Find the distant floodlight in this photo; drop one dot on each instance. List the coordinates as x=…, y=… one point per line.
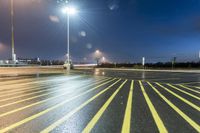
x=69, y=10
x=97, y=51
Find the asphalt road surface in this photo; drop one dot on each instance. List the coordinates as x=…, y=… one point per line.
x=100, y=101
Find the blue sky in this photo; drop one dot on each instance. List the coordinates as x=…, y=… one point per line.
x=124, y=30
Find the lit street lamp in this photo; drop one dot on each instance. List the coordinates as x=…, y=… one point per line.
x=69, y=11
x=97, y=55
x=103, y=59
x=97, y=51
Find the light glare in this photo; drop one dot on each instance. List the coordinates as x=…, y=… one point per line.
x=69, y=10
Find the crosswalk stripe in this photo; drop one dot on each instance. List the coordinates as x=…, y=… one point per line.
x=198, y=98
x=95, y=119
x=6, y=129
x=127, y=117
x=179, y=97
x=63, y=119
x=182, y=114
x=157, y=119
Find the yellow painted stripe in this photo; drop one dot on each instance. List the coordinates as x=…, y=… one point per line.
x=26, y=80
x=16, y=89
x=196, y=97
x=31, y=98
x=127, y=117
x=179, y=97
x=2, y=79
x=189, y=83
x=190, y=89
x=17, y=81
x=157, y=119
x=95, y=119
x=63, y=119
x=50, y=109
x=182, y=114
x=197, y=87
x=27, y=89
x=23, y=95
x=46, y=100
x=12, y=89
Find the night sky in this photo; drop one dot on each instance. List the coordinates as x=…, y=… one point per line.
x=124, y=30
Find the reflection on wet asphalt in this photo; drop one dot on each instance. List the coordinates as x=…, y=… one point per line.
x=100, y=101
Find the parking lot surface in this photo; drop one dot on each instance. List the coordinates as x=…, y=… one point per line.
x=100, y=101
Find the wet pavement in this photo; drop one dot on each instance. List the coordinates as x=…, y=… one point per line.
x=100, y=101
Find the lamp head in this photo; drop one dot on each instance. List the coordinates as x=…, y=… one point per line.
x=69, y=10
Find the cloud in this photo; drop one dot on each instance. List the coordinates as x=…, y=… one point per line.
x=54, y=19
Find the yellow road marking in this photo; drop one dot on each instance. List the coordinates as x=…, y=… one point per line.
x=40, y=90
x=23, y=95
x=28, y=89
x=179, y=97
x=198, y=98
x=30, y=98
x=42, y=101
x=17, y=81
x=95, y=119
x=157, y=119
x=189, y=89
x=127, y=117
x=189, y=83
x=2, y=79
x=182, y=114
x=24, y=81
x=63, y=119
x=18, y=88
x=51, y=108
x=197, y=87
x=164, y=79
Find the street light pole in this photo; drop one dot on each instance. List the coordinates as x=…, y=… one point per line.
x=12, y=31
x=68, y=56
x=69, y=11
